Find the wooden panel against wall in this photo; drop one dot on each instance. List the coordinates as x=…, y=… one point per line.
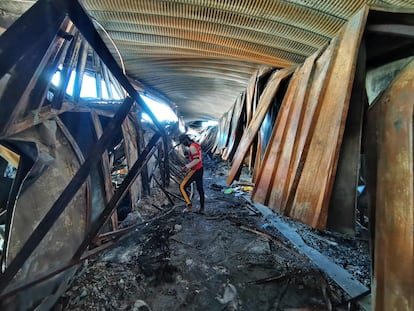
x=311, y=201
x=283, y=169
x=394, y=219
x=236, y=122
x=265, y=102
x=264, y=182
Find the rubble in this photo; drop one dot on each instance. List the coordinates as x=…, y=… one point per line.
x=228, y=259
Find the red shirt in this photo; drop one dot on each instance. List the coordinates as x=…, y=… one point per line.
x=197, y=154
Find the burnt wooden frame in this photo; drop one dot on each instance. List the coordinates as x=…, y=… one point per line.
x=11, y=43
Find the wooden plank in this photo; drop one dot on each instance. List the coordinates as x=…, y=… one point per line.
x=131, y=154
x=120, y=193
x=236, y=126
x=145, y=180
x=266, y=100
x=80, y=69
x=393, y=278
x=59, y=49
x=315, y=185
x=23, y=79
x=263, y=184
x=18, y=36
x=317, y=86
x=106, y=168
x=66, y=72
x=81, y=19
x=342, y=206
x=283, y=172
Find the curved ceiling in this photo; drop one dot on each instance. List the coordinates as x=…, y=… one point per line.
x=200, y=54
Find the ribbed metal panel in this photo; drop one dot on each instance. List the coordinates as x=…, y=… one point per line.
x=154, y=35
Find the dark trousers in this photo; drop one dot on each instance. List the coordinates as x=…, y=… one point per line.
x=196, y=176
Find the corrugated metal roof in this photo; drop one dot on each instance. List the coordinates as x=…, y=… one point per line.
x=200, y=54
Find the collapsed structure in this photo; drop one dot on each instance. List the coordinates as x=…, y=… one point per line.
x=311, y=134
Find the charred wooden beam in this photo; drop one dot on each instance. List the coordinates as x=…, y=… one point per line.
x=66, y=196
x=80, y=69
x=146, y=189
x=107, y=81
x=68, y=65
x=59, y=50
x=26, y=31
x=86, y=27
x=22, y=79
x=106, y=169
x=120, y=193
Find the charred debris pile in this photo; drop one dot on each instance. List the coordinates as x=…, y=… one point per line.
x=239, y=256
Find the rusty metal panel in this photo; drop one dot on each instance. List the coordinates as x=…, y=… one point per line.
x=394, y=219
x=265, y=102
x=223, y=133
x=311, y=201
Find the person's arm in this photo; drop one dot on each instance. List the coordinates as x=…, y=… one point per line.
x=188, y=166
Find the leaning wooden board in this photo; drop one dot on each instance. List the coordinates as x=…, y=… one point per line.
x=393, y=278
x=265, y=102
x=283, y=170
x=312, y=196
x=265, y=178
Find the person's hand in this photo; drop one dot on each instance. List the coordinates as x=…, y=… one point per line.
x=184, y=169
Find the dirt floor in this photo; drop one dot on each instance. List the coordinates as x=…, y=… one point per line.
x=229, y=259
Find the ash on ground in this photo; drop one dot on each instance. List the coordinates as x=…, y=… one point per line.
x=227, y=259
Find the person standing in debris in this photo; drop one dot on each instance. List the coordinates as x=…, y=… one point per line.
x=195, y=171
